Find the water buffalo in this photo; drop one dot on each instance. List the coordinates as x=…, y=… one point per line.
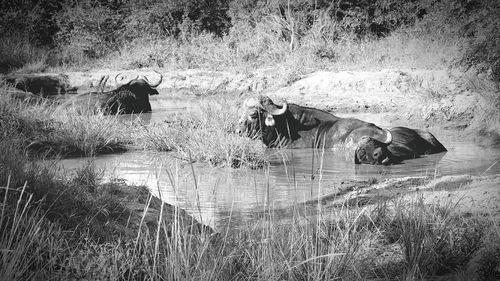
x=406, y=144
x=295, y=126
x=130, y=97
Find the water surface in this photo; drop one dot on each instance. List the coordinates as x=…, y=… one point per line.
x=214, y=194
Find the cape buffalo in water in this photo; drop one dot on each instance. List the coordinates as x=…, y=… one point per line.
x=297, y=126
x=130, y=97
x=406, y=144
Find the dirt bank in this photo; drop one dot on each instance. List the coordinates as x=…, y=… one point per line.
x=417, y=98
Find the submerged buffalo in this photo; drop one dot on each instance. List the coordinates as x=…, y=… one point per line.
x=406, y=144
x=130, y=97
x=297, y=126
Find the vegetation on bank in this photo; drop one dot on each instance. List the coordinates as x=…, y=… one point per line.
x=62, y=227
x=75, y=227
x=296, y=36
x=207, y=135
x=46, y=128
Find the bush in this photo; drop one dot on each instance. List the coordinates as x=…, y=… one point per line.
x=477, y=22
x=207, y=137
x=483, y=52
x=87, y=29
x=175, y=18
x=31, y=20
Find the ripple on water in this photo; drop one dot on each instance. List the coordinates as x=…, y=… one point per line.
x=294, y=175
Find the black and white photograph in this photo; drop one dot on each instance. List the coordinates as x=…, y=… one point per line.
x=252, y=140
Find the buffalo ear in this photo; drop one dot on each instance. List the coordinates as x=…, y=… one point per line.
x=269, y=121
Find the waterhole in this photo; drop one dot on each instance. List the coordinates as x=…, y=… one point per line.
x=221, y=196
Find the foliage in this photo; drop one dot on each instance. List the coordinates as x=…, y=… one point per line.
x=483, y=52
x=208, y=136
x=87, y=29
x=176, y=18
x=30, y=19
x=253, y=33
x=49, y=130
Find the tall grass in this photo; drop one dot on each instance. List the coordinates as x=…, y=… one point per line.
x=77, y=227
x=260, y=48
x=351, y=245
x=48, y=129
x=207, y=135
x=88, y=133
x=17, y=51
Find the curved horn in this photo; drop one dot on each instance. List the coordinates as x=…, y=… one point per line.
x=118, y=83
x=388, y=133
x=274, y=110
x=116, y=79
x=154, y=85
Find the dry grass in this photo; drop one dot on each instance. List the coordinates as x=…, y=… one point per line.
x=48, y=129
x=408, y=240
x=18, y=52
x=64, y=228
x=207, y=135
x=260, y=48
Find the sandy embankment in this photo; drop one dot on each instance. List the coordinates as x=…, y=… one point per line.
x=420, y=98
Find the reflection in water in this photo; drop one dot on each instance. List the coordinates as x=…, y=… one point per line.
x=294, y=175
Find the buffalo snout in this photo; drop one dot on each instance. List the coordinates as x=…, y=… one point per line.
x=372, y=151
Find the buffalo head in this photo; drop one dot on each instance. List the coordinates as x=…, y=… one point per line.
x=372, y=151
x=259, y=116
x=131, y=97
x=405, y=143
x=139, y=85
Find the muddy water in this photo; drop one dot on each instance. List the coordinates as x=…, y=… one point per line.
x=219, y=196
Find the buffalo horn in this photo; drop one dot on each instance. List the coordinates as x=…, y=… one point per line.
x=274, y=110
x=155, y=85
x=388, y=140
x=118, y=83
x=116, y=79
